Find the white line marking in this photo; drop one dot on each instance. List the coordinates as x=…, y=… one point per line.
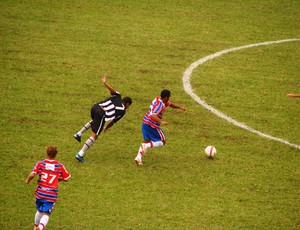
x=188, y=88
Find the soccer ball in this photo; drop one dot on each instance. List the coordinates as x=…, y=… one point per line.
x=210, y=151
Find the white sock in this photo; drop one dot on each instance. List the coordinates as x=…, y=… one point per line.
x=139, y=155
x=157, y=144
x=37, y=218
x=44, y=221
x=87, y=145
x=149, y=145
x=153, y=144
x=84, y=128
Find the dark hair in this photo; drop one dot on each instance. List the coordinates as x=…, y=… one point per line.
x=51, y=151
x=165, y=93
x=127, y=100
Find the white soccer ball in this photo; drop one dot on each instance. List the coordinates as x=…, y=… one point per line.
x=210, y=151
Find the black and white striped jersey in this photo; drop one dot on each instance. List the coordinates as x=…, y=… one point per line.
x=113, y=107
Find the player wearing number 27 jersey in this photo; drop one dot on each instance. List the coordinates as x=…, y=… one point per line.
x=49, y=172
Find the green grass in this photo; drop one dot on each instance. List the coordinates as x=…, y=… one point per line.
x=53, y=54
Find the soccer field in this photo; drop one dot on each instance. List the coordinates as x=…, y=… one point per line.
x=53, y=54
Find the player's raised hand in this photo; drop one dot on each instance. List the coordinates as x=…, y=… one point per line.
x=103, y=79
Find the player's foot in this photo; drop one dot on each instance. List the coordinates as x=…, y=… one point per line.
x=143, y=149
x=77, y=137
x=79, y=158
x=37, y=228
x=138, y=161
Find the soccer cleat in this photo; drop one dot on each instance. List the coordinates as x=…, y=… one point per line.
x=79, y=158
x=77, y=137
x=144, y=150
x=37, y=228
x=138, y=161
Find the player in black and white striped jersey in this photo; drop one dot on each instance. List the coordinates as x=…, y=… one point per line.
x=111, y=109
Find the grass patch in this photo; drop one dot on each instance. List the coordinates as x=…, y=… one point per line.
x=52, y=56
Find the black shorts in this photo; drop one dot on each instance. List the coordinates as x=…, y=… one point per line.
x=98, y=119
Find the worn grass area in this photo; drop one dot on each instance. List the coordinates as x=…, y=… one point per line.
x=52, y=56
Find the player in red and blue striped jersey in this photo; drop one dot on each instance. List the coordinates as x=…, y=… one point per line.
x=152, y=133
x=50, y=172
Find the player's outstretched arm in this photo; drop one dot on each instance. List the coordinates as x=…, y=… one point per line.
x=293, y=95
x=109, y=87
x=109, y=125
x=60, y=179
x=175, y=106
x=157, y=119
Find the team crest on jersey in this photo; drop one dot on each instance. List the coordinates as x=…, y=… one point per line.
x=50, y=167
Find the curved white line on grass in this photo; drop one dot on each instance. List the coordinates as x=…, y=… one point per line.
x=188, y=88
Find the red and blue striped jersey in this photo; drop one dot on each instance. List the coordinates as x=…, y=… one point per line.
x=157, y=107
x=49, y=172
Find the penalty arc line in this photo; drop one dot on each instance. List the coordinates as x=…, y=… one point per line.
x=189, y=90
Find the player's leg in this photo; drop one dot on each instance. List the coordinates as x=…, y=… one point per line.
x=38, y=214
x=87, y=145
x=152, y=138
x=97, y=125
x=45, y=209
x=44, y=221
x=78, y=135
x=37, y=218
x=141, y=152
x=157, y=137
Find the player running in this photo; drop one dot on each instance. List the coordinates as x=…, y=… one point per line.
x=50, y=172
x=112, y=109
x=152, y=133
